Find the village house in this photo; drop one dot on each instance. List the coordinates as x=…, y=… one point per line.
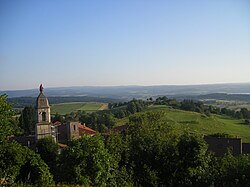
x=221, y=145
x=61, y=133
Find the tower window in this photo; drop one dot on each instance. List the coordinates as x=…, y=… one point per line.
x=44, y=116
x=74, y=127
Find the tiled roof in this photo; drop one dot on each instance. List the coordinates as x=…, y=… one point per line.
x=83, y=130
x=57, y=123
x=62, y=145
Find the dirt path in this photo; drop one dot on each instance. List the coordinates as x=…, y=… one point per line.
x=104, y=107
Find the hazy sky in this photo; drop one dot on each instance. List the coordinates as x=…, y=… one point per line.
x=123, y=42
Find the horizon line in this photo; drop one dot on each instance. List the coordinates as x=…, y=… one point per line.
x=131, y=85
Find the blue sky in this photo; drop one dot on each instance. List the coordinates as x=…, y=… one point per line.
x=132, y=42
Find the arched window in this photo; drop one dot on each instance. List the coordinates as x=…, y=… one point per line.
x=44, y=116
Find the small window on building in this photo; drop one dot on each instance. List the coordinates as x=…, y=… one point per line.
x=44, y=116
x=74, y=127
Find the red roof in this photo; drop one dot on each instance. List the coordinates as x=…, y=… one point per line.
x=62, y=145
x=83, y=130
x=57, y=123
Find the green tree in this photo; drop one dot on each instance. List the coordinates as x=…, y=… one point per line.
x=48, y=150
x=238, y=115
x=107, y=119
x=121, y=114
x=151, y=140
x=34, y=170
x=245, y=113
x=131, y=107
x=86, y=161
x=19, y=164
x=27, y=120
x=5, y=118
x=159, y=156
x=117, y=145
x=102, y=128
x=11, y=160
x=233, y=171
x=192, y=162
x=246, y=121
x=58, y=117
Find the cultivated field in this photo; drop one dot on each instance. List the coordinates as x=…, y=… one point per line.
x=66, y=108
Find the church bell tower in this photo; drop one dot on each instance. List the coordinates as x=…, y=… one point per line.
x=44, y=127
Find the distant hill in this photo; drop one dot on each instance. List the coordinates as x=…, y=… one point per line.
x=130, y=92
x=21, y=102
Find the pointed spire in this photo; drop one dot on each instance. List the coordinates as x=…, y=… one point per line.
x=41, y=88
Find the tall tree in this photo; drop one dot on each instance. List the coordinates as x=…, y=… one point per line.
x=5, y=118
x=131, y=107
x=160, y=156
x=48, y=150
x=233, y=171
x=86, y=161
x=27, y=120
x=117, y=145
x=33, y=170
x=245, y=113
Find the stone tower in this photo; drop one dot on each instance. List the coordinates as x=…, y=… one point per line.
x=44, y=127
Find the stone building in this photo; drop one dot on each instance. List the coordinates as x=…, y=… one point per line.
x=72, y=130
x=67, y=132
x=61, y=133
x=43, y=126
x=220, y=145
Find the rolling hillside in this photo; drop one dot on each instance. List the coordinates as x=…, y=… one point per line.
x=200, y=123
x=182, y=120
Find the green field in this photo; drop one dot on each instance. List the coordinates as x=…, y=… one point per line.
x=66, y=108
x=200, y=123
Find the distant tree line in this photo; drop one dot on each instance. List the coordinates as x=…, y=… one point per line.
x=21, y=102
x=121, y=110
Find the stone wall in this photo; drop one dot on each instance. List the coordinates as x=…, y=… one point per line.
x=220, y=146
x=73, y=130
x=62, y=134
x=29, y=141
x=67, y=132
x=246, y=148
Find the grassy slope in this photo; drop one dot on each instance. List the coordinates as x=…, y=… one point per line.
x=202, y=124
x=65, y=108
